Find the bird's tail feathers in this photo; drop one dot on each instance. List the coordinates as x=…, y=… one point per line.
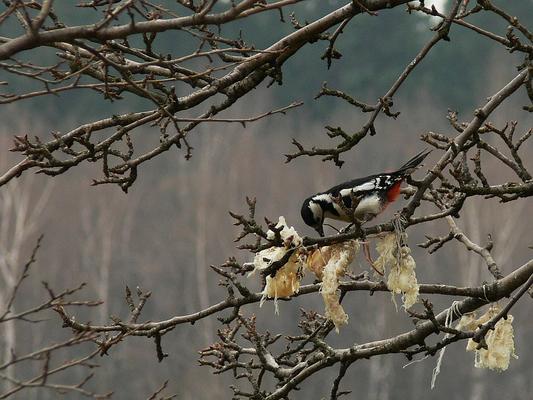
x=410, y=166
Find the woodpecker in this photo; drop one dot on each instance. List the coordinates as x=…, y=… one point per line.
x=373, y=193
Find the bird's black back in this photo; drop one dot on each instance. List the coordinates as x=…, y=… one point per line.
x=383, y=181
x=335, y=190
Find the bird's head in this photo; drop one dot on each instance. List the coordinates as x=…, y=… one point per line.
x=313, y=215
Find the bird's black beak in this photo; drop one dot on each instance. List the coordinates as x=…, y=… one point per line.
x=320, y=230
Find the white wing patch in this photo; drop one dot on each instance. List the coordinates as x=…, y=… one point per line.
x=370, y=185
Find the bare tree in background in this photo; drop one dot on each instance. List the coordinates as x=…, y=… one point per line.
x=39, y=362
x=20, y=218
x=119, y=56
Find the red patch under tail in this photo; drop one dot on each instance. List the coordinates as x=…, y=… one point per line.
x=394, y=192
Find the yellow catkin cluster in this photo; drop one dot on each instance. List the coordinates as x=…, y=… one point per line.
x=317, y=260
x=386, y=247
x=468, y=322
x=402, y=277
x=329, y=263
x=286, y=282
x=266, y=257
x=500, y=341
x=288, y=234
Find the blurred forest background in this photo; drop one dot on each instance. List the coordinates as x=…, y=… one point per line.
x=174, y=222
